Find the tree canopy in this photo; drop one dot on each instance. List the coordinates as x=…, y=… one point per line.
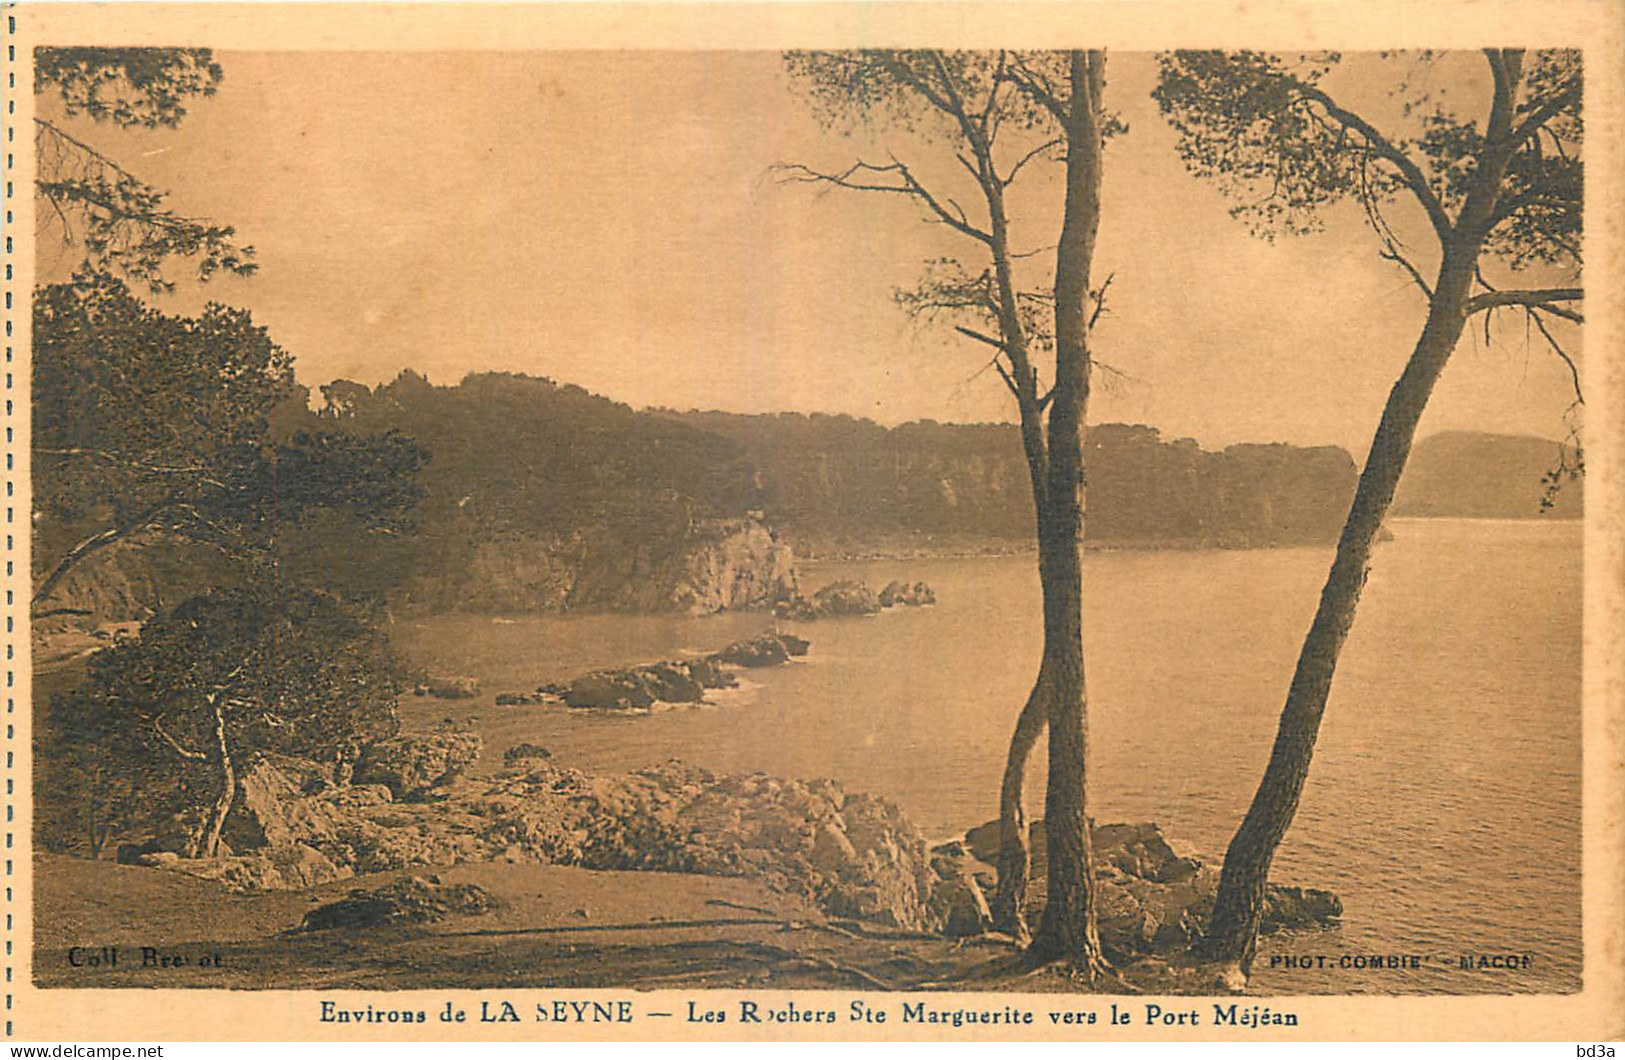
x=124, y=224
x=1502, y=187
x=146, y=421
x=225, y=674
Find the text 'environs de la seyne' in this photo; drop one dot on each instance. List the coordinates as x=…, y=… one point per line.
x=752, y=1012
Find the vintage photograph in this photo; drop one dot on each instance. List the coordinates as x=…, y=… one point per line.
x=890, y=519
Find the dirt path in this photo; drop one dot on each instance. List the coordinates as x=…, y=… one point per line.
x=555, y=926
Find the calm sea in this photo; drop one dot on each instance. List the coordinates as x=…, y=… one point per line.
x=1444, y=800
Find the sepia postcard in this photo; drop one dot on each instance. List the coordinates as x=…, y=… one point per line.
x=953, y=521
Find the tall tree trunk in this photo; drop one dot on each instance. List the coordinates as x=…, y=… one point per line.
x=228, y=783
x=1233, y=929
x=1015, y=855
x=1232, y=935
x=1068, y=930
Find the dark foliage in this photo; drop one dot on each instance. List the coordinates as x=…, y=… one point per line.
x=146, y=423
x=286, y=671
x=123, y=223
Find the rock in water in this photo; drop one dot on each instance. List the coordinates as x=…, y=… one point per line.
x=609, y=689
x=414, y=900
x=764, y=650
x=1289, y=908
x=841, y=599
x=520, y=699
x=899, y=593
x=683, y=681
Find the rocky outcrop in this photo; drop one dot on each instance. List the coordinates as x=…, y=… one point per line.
x=443, y=686
x=643, y=686
x=854, y=855
x=524, y=752
x=413, y=900
x=901, y=594
x=961, y=907
x=675, y=682
x=1152, y=899
x=841, y=599
x=410, y=766
x=854, y=599
x=766, y=649
x=720, y=565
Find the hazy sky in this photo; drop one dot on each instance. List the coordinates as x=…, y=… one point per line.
x=610, y=219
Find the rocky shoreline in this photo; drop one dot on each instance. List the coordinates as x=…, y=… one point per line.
x=410, y=804
x=670, y=682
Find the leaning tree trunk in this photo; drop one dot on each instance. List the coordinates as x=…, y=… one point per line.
x=1068, y=930
x=1015, y=854
x=1233, y=929
x=228, y=785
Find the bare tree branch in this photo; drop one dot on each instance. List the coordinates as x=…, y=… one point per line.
x=184, y=752
x=796, y=173
x=1540, y=299
x=1557, y=348
x=981, y=337
x=1409, y=171
x=1545, y=112
x=1028, y=157
x=1389, y=252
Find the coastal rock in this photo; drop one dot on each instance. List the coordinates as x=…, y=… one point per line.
x=525, y=752
x=754, y=653
x=952, y=860
x=962, y=907
x=840, y=599
x=1141, y=851
x=290, y=868
x=901, y=594
x=270, y=812
x=845, y=598
x=609, y=689
x=683, y=681
x=1152, y=899
x=743, y=567
x=712, y=566
x=520, y=699
x=414, y=900
x=1289, y=908
x=453, y=687
x=410, y=765
x=853, y=855
x=765, y=649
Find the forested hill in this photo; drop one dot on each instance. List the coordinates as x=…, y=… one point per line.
x=542, y=496
x=834, y=482
x=522, y=458
x=1471, y=475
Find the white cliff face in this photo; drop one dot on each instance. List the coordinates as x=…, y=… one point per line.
x=746, y=569
x=723, y=565
x=731, y=565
